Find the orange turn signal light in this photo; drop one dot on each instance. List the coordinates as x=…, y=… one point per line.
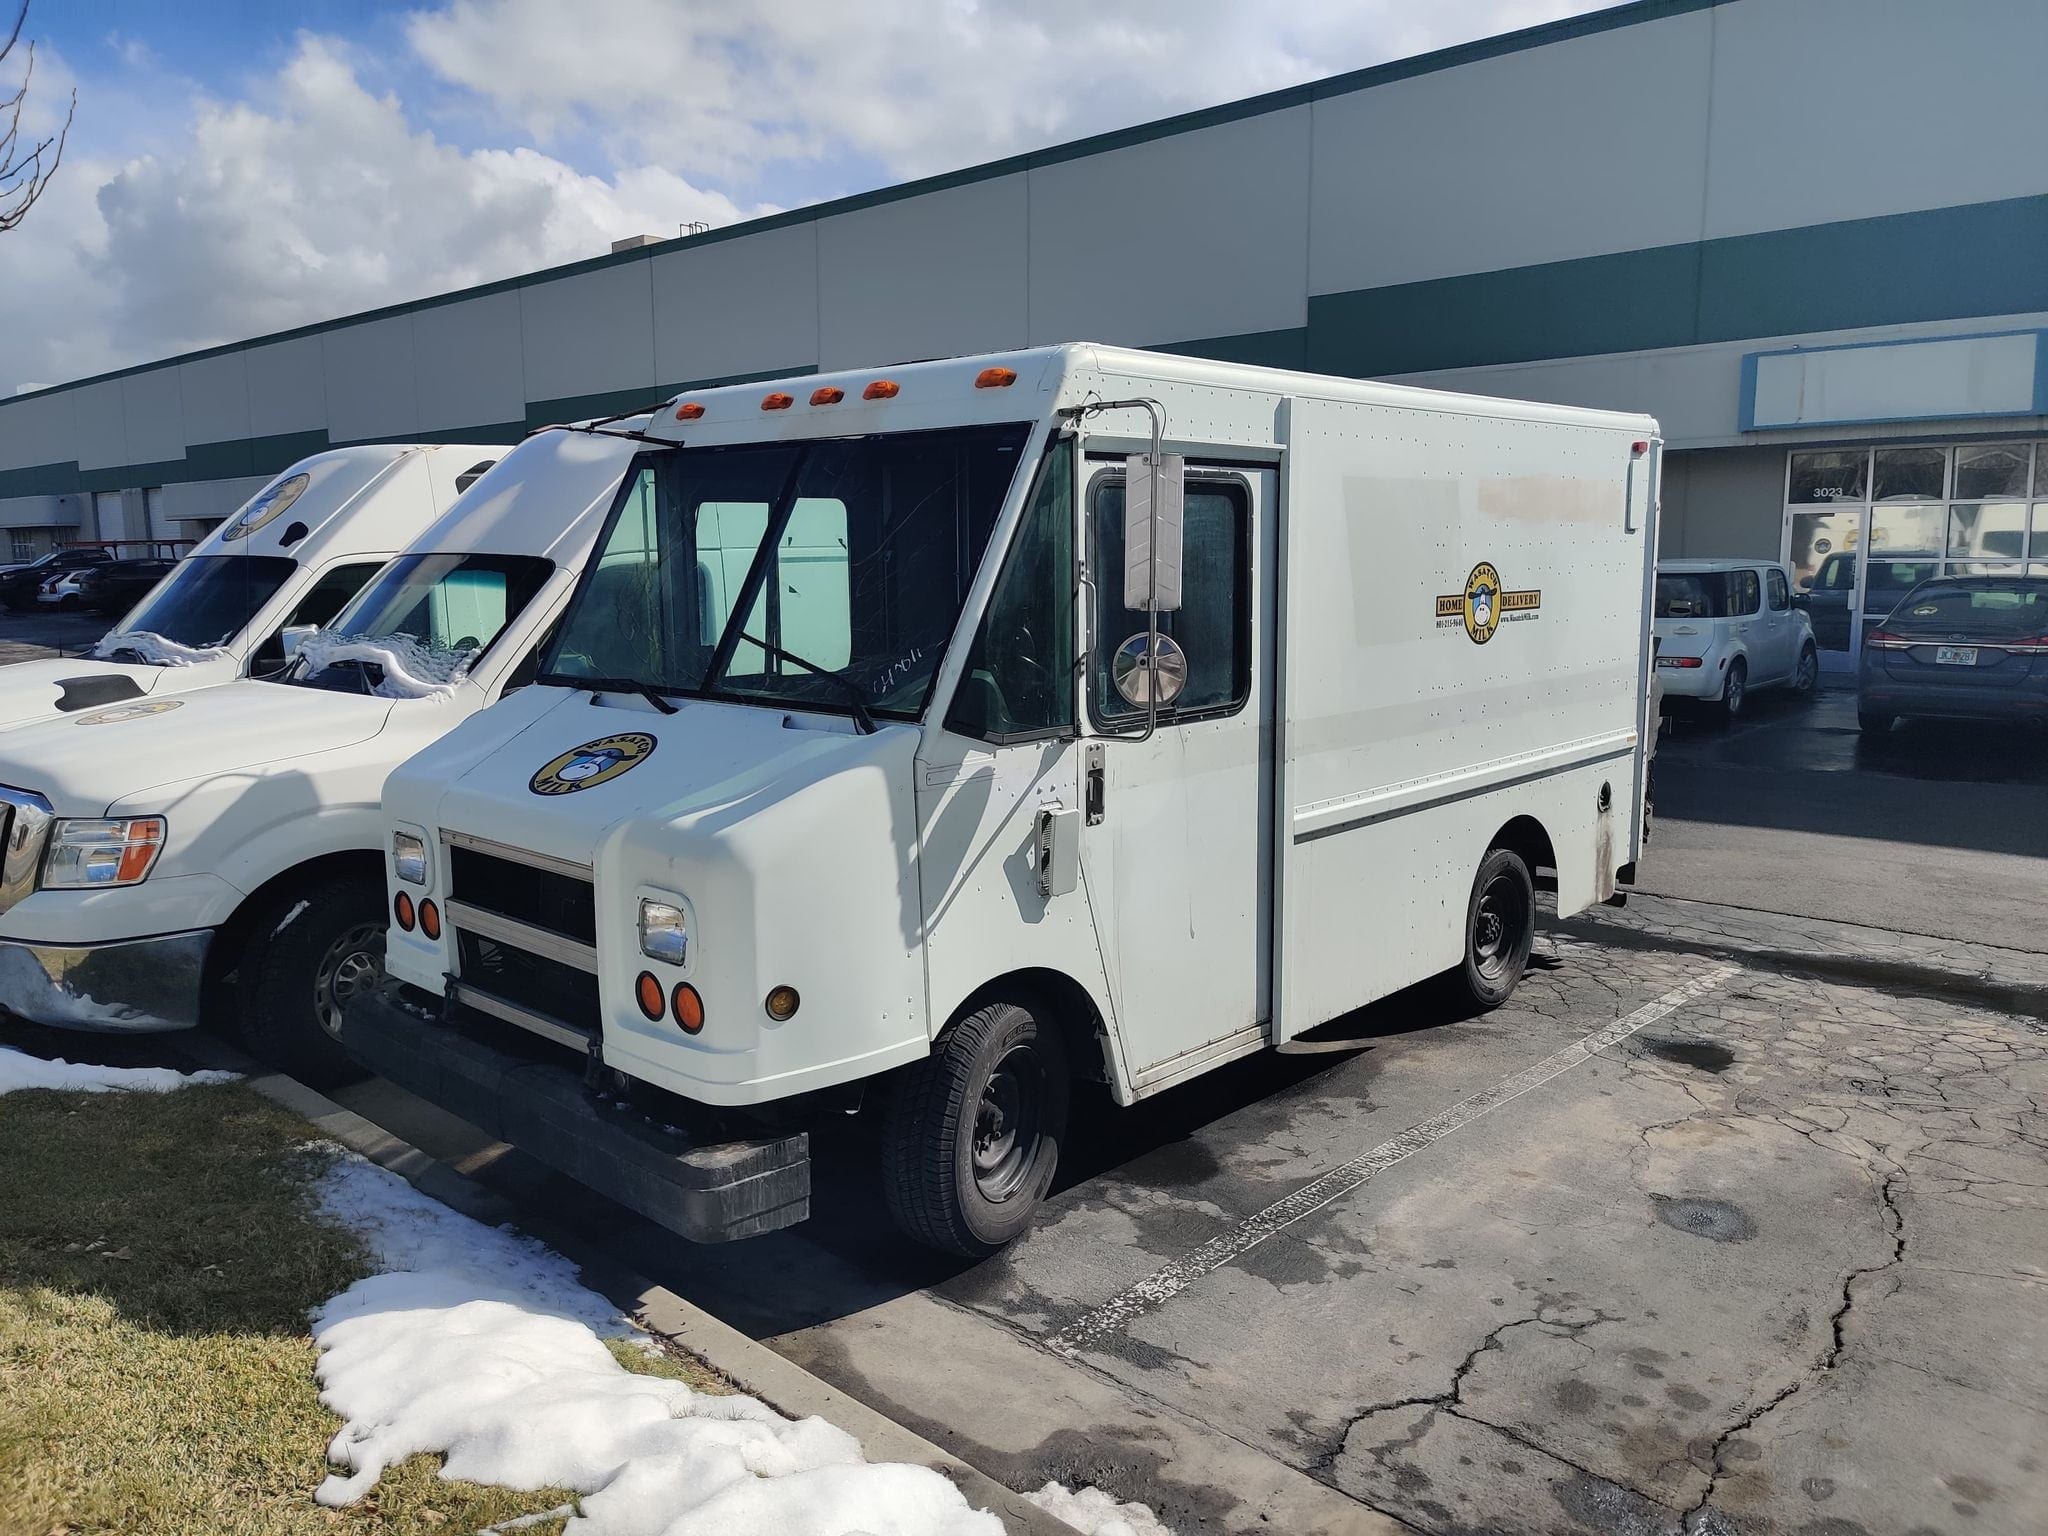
x=882, y=389
x=647, y=993
x=995, y=378
x=777, y=401
x=829, y=395
x=430, y=920
x=689, y=411
x=402, y=910
x=689, y=1008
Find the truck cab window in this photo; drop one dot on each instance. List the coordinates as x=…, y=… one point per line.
x=327, y=597
x=1213, y=624
x=1019, y=677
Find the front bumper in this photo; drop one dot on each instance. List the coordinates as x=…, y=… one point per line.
x=136, y=986
x=706, y=1191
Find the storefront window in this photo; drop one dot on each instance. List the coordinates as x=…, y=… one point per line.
x=1995, y=530
x=1991, y=469
x=1827, y=477
x=1907, y=530
x=1910, y=474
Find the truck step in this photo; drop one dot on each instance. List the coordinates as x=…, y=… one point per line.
x=706, y=1191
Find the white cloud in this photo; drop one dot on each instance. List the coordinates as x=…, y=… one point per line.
x=323, y=200
x=182, y=219
x=915, y=86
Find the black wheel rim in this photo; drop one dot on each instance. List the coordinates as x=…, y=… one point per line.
x=354, y=963
x=1009, y=1124
x=1498, y=924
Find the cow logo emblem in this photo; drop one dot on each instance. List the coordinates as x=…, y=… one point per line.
x=272, y=504
x=1484, y=605
x=593, y=763
x=129, y=712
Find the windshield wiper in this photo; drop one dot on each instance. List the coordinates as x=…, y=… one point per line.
x=646, y=690
x=855, y=697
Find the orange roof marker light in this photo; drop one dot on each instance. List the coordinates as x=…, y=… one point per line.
x=777, y=401
x=829, y=395
x=690, y=410
x=995, y=378
x=882, y=389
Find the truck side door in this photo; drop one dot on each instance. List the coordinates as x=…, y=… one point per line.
x=1177, y=845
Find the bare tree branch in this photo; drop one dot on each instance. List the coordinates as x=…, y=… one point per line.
x=26, y=173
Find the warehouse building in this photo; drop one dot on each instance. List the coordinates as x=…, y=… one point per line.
x=1807, y=234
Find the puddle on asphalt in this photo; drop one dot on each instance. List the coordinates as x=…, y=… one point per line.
x=1703, y=1054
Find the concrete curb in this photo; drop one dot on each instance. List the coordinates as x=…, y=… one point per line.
x=757, y=1369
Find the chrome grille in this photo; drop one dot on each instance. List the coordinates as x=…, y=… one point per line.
x=524, y=930
x=25, y=818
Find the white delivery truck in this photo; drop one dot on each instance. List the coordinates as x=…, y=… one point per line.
x=284, y=564
x=1080, y=713
x=155, y=850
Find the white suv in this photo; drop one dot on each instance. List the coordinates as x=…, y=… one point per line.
x=1725, y=627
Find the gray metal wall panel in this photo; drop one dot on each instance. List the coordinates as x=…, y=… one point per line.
x=1845, y=109
x=39, y=431
x=208, y=498
x=934, y=276
x=372, y=389
x=588, y=333
x=102, y=435
x=1577, y=149
x=736, y=306
x=153, y=417
x=1204, y=234
x=1723, y=503
x=213, y=395
x=287, y=387
x=469, y=363
x=43, y=512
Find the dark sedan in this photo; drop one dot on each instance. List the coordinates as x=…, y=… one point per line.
x=19, y=586
x=117, y=586
x=1959, y=648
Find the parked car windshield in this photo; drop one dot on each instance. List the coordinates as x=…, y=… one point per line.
x=206, y=601
x=1693, y=595
x=420, y=624
x=1990, y=607
x=827, y=573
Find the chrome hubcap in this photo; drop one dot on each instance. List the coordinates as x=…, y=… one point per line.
x=353, y=963
x=1007, y=1124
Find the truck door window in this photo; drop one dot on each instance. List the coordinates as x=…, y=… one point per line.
x=1213, y=624
x=1019, y=678
x=327, y=597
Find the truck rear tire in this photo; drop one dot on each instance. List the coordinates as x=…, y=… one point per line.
x=971, y=1135
x=311, y=948
x=1500, y=930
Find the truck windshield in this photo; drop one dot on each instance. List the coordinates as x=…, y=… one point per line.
x=825, y=574
x=420, y=625
x=206, y=601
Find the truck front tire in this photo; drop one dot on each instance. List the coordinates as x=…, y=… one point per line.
x=1500, y=931
x=971, y=1135
x=311, y=948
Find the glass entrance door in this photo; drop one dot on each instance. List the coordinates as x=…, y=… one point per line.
x=1822, y=553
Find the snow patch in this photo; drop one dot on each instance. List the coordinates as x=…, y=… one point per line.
x=481, y=1345
x=290, y=917
x=411, y=670
x=18, y=1069
x=154, y=649
x=1094, y=1513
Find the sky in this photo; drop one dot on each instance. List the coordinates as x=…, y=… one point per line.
x=244, y=166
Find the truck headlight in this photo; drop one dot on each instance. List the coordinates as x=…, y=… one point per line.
x=96, y=851
x=664, y=932
x=409, y=858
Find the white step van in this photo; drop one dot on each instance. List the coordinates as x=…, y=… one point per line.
x=287, y=562
x=922, y=739
x=160, y=849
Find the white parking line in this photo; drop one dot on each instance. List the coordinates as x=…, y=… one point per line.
x=1116, y=1314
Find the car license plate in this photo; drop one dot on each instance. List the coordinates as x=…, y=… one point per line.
x=1955, y=655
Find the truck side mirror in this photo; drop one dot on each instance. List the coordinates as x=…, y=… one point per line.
x=292, y=636
x=1153, y=499
x=1802, y=599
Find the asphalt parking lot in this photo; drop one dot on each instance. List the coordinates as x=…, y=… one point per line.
x=1694, y=1236
x=30, y=636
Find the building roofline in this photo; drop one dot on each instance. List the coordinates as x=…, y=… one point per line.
x=1591, y=23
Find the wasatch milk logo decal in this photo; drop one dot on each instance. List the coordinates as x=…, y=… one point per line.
x=593, y=763
x=129, y=712
x=1482, y=606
